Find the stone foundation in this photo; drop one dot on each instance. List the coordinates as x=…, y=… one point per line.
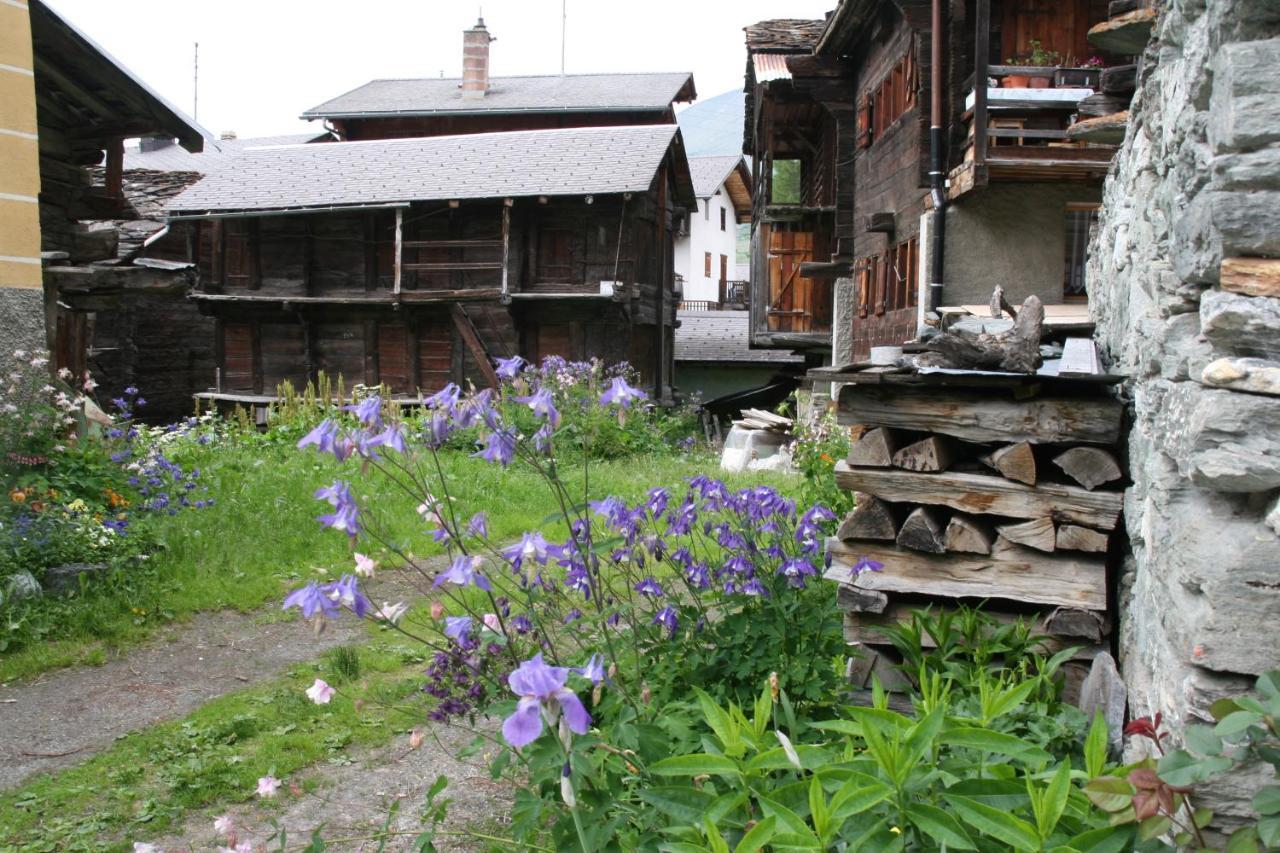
x=21, y=320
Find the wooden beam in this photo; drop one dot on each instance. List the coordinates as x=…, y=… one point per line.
x=981, y=55
x=115, y=169
x=506, y=247
x=982, y=494
x=399, y=250
x=472, y=339
x=1010, y=572
x=981, y=417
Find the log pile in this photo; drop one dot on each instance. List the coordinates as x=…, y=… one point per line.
x=977, y=488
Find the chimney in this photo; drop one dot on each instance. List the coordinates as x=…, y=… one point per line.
x=227, y=135
x=475, y=60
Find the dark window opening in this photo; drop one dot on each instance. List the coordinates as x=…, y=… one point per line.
x=1080, y=221
x=706, y=265
x=722, y=219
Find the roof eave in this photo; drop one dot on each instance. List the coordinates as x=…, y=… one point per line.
x=310, y=116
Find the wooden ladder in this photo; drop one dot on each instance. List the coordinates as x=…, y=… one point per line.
x=471, y=337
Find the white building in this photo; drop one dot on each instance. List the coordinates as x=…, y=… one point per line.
x=706, y=256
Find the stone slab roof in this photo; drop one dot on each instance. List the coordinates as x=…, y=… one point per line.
x=574, y=161
x=540, y=94
x=720, y=336
x=216, y=153
x=710, y=172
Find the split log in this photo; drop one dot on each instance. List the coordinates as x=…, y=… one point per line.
x=1088, y=466
x=932, y=454
x=978, y=417
x=1084, y=624
x=871, y=518
x=874, y=449
x=922, y=531
x=1074, y=538
x=968, y=535
x=1010, y=572
x=1015, y=461
x=1016, y=350
x=1037, y=533
x=867, y=662
x=866, y=627
x=980, y=493
x=854, y=600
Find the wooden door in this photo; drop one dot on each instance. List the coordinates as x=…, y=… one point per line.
x=790, y=296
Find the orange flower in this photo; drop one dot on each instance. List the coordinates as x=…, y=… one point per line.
x=18, y=496
x=826, y=457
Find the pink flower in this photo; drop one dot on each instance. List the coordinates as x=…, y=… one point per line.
x=320, y=692
x=365, y=566
x=492, y=622
x=415, y=737
x=268, y=785
x=392, y=612
x=64, y=373
x=224, y=825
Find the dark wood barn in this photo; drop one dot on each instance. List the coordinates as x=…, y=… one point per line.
x=415, y=262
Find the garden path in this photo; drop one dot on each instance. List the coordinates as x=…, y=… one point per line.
x=64, y=717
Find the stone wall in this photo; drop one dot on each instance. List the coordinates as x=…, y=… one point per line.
x=1197, y=181
x=21, y=320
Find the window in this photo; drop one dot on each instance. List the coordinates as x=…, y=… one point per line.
x=724, y=268
x=884, y=103
x=784, y=184
x=706, y=265
x=722, y=218
x=706, y=210
x=887, y=281
x=1080, y=220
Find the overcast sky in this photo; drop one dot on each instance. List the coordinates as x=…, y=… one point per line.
x=262, y=62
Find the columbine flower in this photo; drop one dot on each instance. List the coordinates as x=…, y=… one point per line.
x=312, y=599
x=543, y=405
x=650, y=587
x=446, y=398
x=365, y=566
x=509, y=368
x=500, y=447
x=463, y=573
x=542, y=694
x=345, y=515
x=866, y=564
x=320, y=692
x=392, y=437
x=796, y=570
x=478, y=526
x=621, y=394
x=531, y=546
x=667, y=618
x=267, y=786
x=368, y=411
x=224, y=825
x=392, y=612
x=457, y=628
x=593, y=671
x=347, y=593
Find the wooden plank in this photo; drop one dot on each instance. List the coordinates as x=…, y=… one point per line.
x=1013, y=573
x=453, y=266
x=506, y=248
x=1250, y=276
x=472, y=339
x=452, y=244
x=979, y=417
x=982, y=57
x=983, y=494
x=398, y=251
x=1079, y=358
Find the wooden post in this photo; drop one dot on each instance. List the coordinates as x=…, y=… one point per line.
x=981, y=49
x=115, y=169
x=399, y=249
x=506, y=248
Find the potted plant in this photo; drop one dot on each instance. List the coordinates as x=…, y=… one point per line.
x=1087, y=75
x=1035, y=59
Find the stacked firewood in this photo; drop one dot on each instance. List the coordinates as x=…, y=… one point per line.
x=1007, y=495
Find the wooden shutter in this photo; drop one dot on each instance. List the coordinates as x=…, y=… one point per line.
x=863, y=134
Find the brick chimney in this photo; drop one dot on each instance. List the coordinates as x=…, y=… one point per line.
x=475, y=60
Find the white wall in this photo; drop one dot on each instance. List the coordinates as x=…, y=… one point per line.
x=705, y=236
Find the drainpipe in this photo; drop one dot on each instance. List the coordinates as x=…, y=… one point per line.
x=936, y=162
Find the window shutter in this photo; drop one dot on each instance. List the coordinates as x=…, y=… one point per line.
x=863, y=135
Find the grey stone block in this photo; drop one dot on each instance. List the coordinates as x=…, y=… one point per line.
x=1244, y=107
x=65, y=579
x=21, y=319
x=1248, y=222
x=1223, y=440
x=1242, y=325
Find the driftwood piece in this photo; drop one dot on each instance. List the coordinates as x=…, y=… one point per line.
x=871, y=518
x=1037, y=533
x=1015, y=461
x=855, y=600
x=932, y=454
x=1016, y=350
x=968, y=535
x=922, y=531
x=980, y=493
x=999, y=305
x=1088, y=466
x=1072, y=537
x=1082, y=624
x=1009, y=572
x=980, y=417
x=874, y=449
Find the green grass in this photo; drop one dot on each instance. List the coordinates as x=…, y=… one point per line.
x=260, y=538
x=148, y=782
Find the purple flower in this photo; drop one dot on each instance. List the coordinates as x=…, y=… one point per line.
x=650, y=587
x=446, y=398
x=521, y=624
x=457, y=628
x=531, y=546
x=391, y=437
x=368, y=411
x=698, y=576
x=346, y=592
x=667, y=618
x=440, y=429
x=754, y=587
x=345, y=515
x=478, y=526
x=323, y=437
x=542, y=693
x=500, y=447
x=593, y=671
x=509, y=368
x=463, y=573
x=543, y=405
x=866, y=564
x=796, y=570
x=657, y=502
x=621, y=394
x=312, y=599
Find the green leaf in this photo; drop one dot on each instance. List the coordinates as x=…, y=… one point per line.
x=1182, y=769
x=1243, y=840
x=725, y=804
x=818, y=807
x=1202, y=740
x=1220, y=709
x=715, y=841
x=1267, y=800
x=843, y=727
x=758, y=836
x=1107, y=839
x=1110, y=793
x=683, y=847
x=1269, y=684
x=1236, y=722
x=1010, y=699
x=777, y=759
x=1269, y=831
x=695, y=764
x=788, y=821
x=795, y=841
x=920, y=738
x=1055, y=801
x=722, y=724
x=855, y=799
x=1004, y=794
x=939, y=826
x=685, y=805
x=1154, y=827
x=1095, y=746
x=999, y=743
x=1012, y=830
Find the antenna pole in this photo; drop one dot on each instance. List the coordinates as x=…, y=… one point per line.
x=564, y=20
x=195, y=83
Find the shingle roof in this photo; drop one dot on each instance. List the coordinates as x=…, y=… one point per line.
x=710, y=172
x=216, y=154
x=722, y=336
x=552, y=93
x=785, y=35
x=574, y=161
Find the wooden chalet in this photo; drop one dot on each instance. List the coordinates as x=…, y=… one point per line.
x=850, y=102
x=415, y=262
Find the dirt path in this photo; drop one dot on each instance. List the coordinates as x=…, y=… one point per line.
x=352, y=801
x=65, y=717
